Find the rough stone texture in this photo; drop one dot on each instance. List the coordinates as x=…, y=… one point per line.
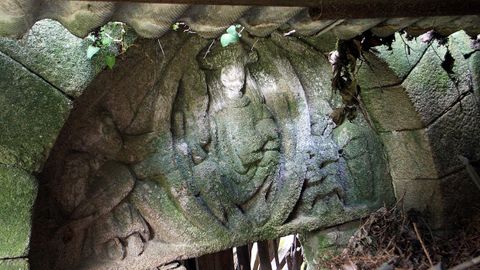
x=324, y=42
x=56, y=55
x=153, y=20
x=389, y=67
x=475, y=68
x=16, y=202
x=424, y=165
x=351, y=28
x=403, y=56
x=364, y=161
x=207, y=151
x=17, y=264
x=459, y=198
x=375, y=73
x=424, y=195
x=32, y=113
x=320, y=246
x=409, y=155
x=456, y=133
x=390, y=109
x=262, y=21
x=427, y=121
x=431, y=88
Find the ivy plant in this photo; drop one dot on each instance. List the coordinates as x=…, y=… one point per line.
x=109, y=41
x=232, y=36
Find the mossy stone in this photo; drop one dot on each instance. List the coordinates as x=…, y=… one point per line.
x=435, y=83
x=404, y=54
x=18, y=194
x=52, y=52
x=18, y=264
x=32, y=112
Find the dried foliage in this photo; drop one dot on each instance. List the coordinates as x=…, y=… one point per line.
x=393, y=239
x=344, y=69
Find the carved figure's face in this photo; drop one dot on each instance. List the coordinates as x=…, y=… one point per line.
x=146, y=190
x=233, y=78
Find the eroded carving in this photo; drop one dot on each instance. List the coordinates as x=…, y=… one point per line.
x=220, y=149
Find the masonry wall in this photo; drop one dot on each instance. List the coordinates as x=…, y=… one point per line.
x=426, y=109
x=427, y=116
x=40, y=75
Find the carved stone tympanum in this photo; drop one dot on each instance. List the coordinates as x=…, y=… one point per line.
x=183, y=150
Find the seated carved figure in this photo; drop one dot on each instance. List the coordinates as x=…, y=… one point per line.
x=248, y=141
x=244, y=150
x=217, y=152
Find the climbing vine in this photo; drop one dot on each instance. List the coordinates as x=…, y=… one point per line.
x=110, y=40
x=231, y=36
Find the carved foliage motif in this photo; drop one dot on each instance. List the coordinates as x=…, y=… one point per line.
x=185, y=152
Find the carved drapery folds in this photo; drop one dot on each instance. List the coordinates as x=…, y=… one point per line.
x=185, y=149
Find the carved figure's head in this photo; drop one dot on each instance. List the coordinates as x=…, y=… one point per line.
x=232, y=78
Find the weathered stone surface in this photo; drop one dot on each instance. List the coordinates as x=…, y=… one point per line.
x=321, y=246
x=363, y=162
x=225, y=146
x=17, y=264
x=31, y=115
x=324, y=42
x=54, y=54
x=410, y=155
x=391, y=109
x=456, y=133
x=424, y=195
x=431, y=88
x=262, y=21
x=375, y=73
x=351, y=28
x=459, y=198
x=475, y=67
x=16, y=202
x=403, y=56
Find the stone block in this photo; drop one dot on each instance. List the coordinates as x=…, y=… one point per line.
x=456, y=133
x=51, y=51
x=363, y=159
x=459, y=198
x=17, y=264
x=391, y=109
x=18, y=194
x=375, y=73
x=434, y=88
x=475, y=68
x=323, y=245
x=324, y=42
x=32, y=112
x=423, y=195
x=409, y=154
x=403, y=56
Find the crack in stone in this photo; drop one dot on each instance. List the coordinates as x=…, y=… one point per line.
x=71, y=98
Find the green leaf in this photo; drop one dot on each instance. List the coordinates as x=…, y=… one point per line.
x=106, y=41
x=110, y=60
x=175, y=26
x=91, y=51
x=232, y=30
x=227, y=39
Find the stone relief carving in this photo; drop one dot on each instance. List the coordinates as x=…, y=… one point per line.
x=185, y=153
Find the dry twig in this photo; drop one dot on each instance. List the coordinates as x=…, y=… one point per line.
x=467, y=264
x=423, y=244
